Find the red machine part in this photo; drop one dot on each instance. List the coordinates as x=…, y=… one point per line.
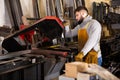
x=28, y=35
x=51, y=18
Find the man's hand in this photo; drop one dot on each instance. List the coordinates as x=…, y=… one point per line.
x=79, y=56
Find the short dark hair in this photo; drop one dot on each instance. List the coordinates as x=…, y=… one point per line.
x=81, y=8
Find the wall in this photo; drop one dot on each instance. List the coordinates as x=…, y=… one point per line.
x=28, y=9
x=88, y=4
x=4, y=18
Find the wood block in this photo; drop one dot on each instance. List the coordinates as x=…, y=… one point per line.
x=83, y=76
x=63, y=77
x=72, y=69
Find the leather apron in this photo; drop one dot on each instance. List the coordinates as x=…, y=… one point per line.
x=91, y=56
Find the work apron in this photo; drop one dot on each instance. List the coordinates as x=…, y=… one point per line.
x=91, y=56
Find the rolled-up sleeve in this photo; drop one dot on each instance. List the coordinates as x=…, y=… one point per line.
x=72, y=32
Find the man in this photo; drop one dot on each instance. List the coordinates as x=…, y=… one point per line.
x=89, y=33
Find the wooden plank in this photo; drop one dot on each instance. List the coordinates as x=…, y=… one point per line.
x=64, y=77
x=83, y=76
x=103, y=73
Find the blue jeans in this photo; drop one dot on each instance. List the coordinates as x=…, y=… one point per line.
x=100, y=61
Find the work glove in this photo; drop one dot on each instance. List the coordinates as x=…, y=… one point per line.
x=79, y=56
x=91, y=57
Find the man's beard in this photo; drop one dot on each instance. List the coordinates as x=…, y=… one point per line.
x=80, y=21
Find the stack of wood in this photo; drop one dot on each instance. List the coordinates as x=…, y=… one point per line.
x=84, y=71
